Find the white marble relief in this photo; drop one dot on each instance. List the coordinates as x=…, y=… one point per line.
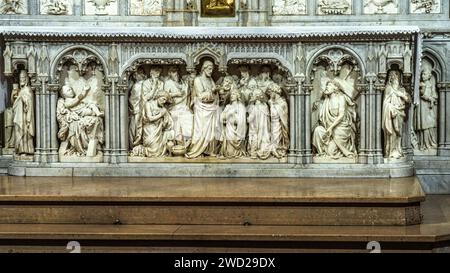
x=146, y=7
x=425, y=6
x=334, y=7
x=289, y=7
x=381, y=7
x=395, y=103
x=80, y=112
x=236, y=117
x=13, y=6
x=56, y=7
x=334, y=112
x=100, y=7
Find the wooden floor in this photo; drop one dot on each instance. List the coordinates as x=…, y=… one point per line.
x=433, y=235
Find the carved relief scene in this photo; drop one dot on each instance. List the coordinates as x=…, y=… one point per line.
x=80, y=107
x=335, y=106
x=101, y=7
x=381, y=6
x=334, y=7
x=13, y=7
x=56, y=7
x=289, y=7
x=425, y=6
x=146, y=7
x=203, y=114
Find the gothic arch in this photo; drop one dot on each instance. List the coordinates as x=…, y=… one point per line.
x=60, y=55
x=438, y=62
x=350, y=51
x=148, y=56
x=281, y=62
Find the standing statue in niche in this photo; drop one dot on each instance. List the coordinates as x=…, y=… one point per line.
x=180, y=112
x=135, y=109
x=334, y=137
x=235, y=127
x=23, y=112
x=394, y=115
x=79, y=116
x=426, y=111
x=206, y=105
x=264, y=79
x=278, y=121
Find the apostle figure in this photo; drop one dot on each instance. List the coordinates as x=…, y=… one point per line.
x=235, y=127
x=158, y=132
x=153, y=85
x=135, y=109
x=180, y=112
x=245, y=82
x=394, y=106
x=264, y=79
x=278, y=121
x=259, y=127
x=206, y=105
x=23, y=112
x=426, y=111
x=335, y=135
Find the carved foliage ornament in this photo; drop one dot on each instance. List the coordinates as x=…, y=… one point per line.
x=335, y=59
x=335, y=7
x=101, y=7
x=56, y=7
x=80, y=58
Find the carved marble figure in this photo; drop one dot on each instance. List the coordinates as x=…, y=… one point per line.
x=334, y=137
x=181, y=114
x=79, y=116
x=259, y=145
x=278, y=121
x=146, y=7
x=153, y=85
x=289, y=7
x=13, y=7
x=245, y=83
x=23, y=111
x=234, y=118
x=206, y=110
x=135, y=105
x=426, y=111
x=394, y=115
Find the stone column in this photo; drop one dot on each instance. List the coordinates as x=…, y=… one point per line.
x=293, y=132
x=54, y=143
x=38, y=118
x=123, y=100
x=363, y=133
x=305, y=97
x=444, y=124
x=375, y=133
x=107, y=121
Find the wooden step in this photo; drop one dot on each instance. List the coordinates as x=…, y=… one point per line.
x=210, y=201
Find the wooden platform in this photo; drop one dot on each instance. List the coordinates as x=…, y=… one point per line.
x=210, y=201
x=217, y=215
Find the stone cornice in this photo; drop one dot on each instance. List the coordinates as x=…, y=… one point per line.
x=203, y=33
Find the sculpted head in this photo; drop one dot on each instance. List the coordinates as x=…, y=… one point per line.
x=245, y=71
x=265, y=72
x=331, y=87
x=23, y=78
x=173, y=73
x=207, y=68
x=139, y=75
x=235, y=96
x=72, y=73
x=155, y=72
x=394, y=77
x=426, y=73
x=274, y=90
x=162, y=98
x=228, y=83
